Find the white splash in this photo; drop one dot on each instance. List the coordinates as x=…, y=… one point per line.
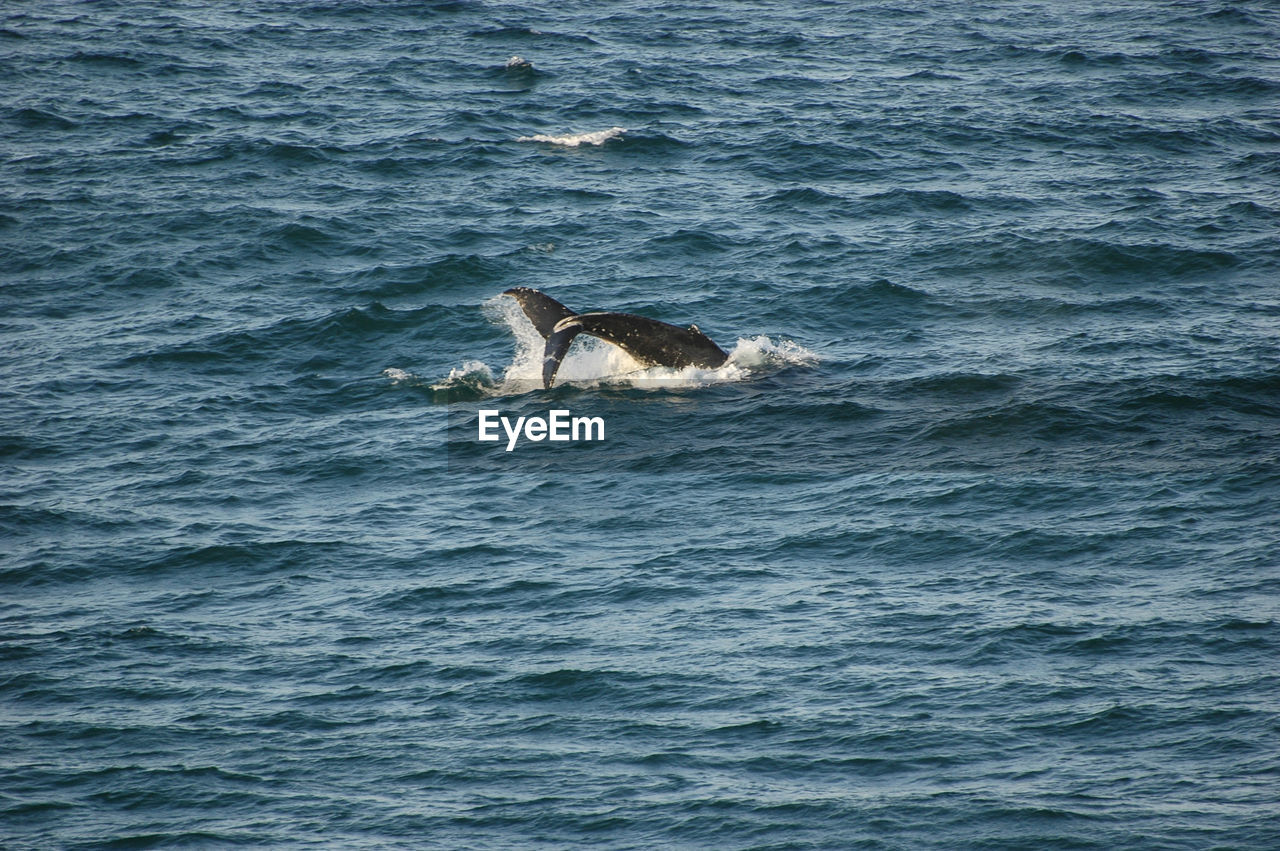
x=399, y=375
x=518, y=63
x=760, y=351
x=572, y=141
x=473, y=374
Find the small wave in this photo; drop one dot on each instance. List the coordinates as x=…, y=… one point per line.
x=1224, y=16
x=40, y=119
x=802, y=196
x=928, y=75
x=388, y=281
x=917, y=200
x=121, y=59
x=599, y=137
x=529, y=33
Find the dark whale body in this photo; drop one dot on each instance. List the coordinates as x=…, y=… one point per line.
x=649, y=341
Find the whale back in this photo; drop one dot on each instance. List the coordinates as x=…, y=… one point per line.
x=654, y=343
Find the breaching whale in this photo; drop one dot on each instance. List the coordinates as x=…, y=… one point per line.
x=649, y=341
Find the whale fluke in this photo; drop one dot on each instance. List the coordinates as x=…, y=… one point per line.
x=543, y=310
x=557, y=347
x=649, y=341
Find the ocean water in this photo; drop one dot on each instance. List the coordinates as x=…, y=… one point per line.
x=973, y=543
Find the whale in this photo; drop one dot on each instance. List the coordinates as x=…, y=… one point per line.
x=649, y=341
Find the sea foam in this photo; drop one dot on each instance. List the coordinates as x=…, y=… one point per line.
x=599, y=137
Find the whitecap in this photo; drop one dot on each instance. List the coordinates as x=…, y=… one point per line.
x=599, y=137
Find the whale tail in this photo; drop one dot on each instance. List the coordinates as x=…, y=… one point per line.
x=543, y=310
x=649, y=341
x=546, y=313
x=557, y=347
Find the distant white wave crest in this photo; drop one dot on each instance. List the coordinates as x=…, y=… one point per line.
x=572, y=141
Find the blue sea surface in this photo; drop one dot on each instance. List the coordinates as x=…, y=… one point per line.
x=974, y=542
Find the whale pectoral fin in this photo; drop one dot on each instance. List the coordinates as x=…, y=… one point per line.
x=543, y=310
x=557, y=346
